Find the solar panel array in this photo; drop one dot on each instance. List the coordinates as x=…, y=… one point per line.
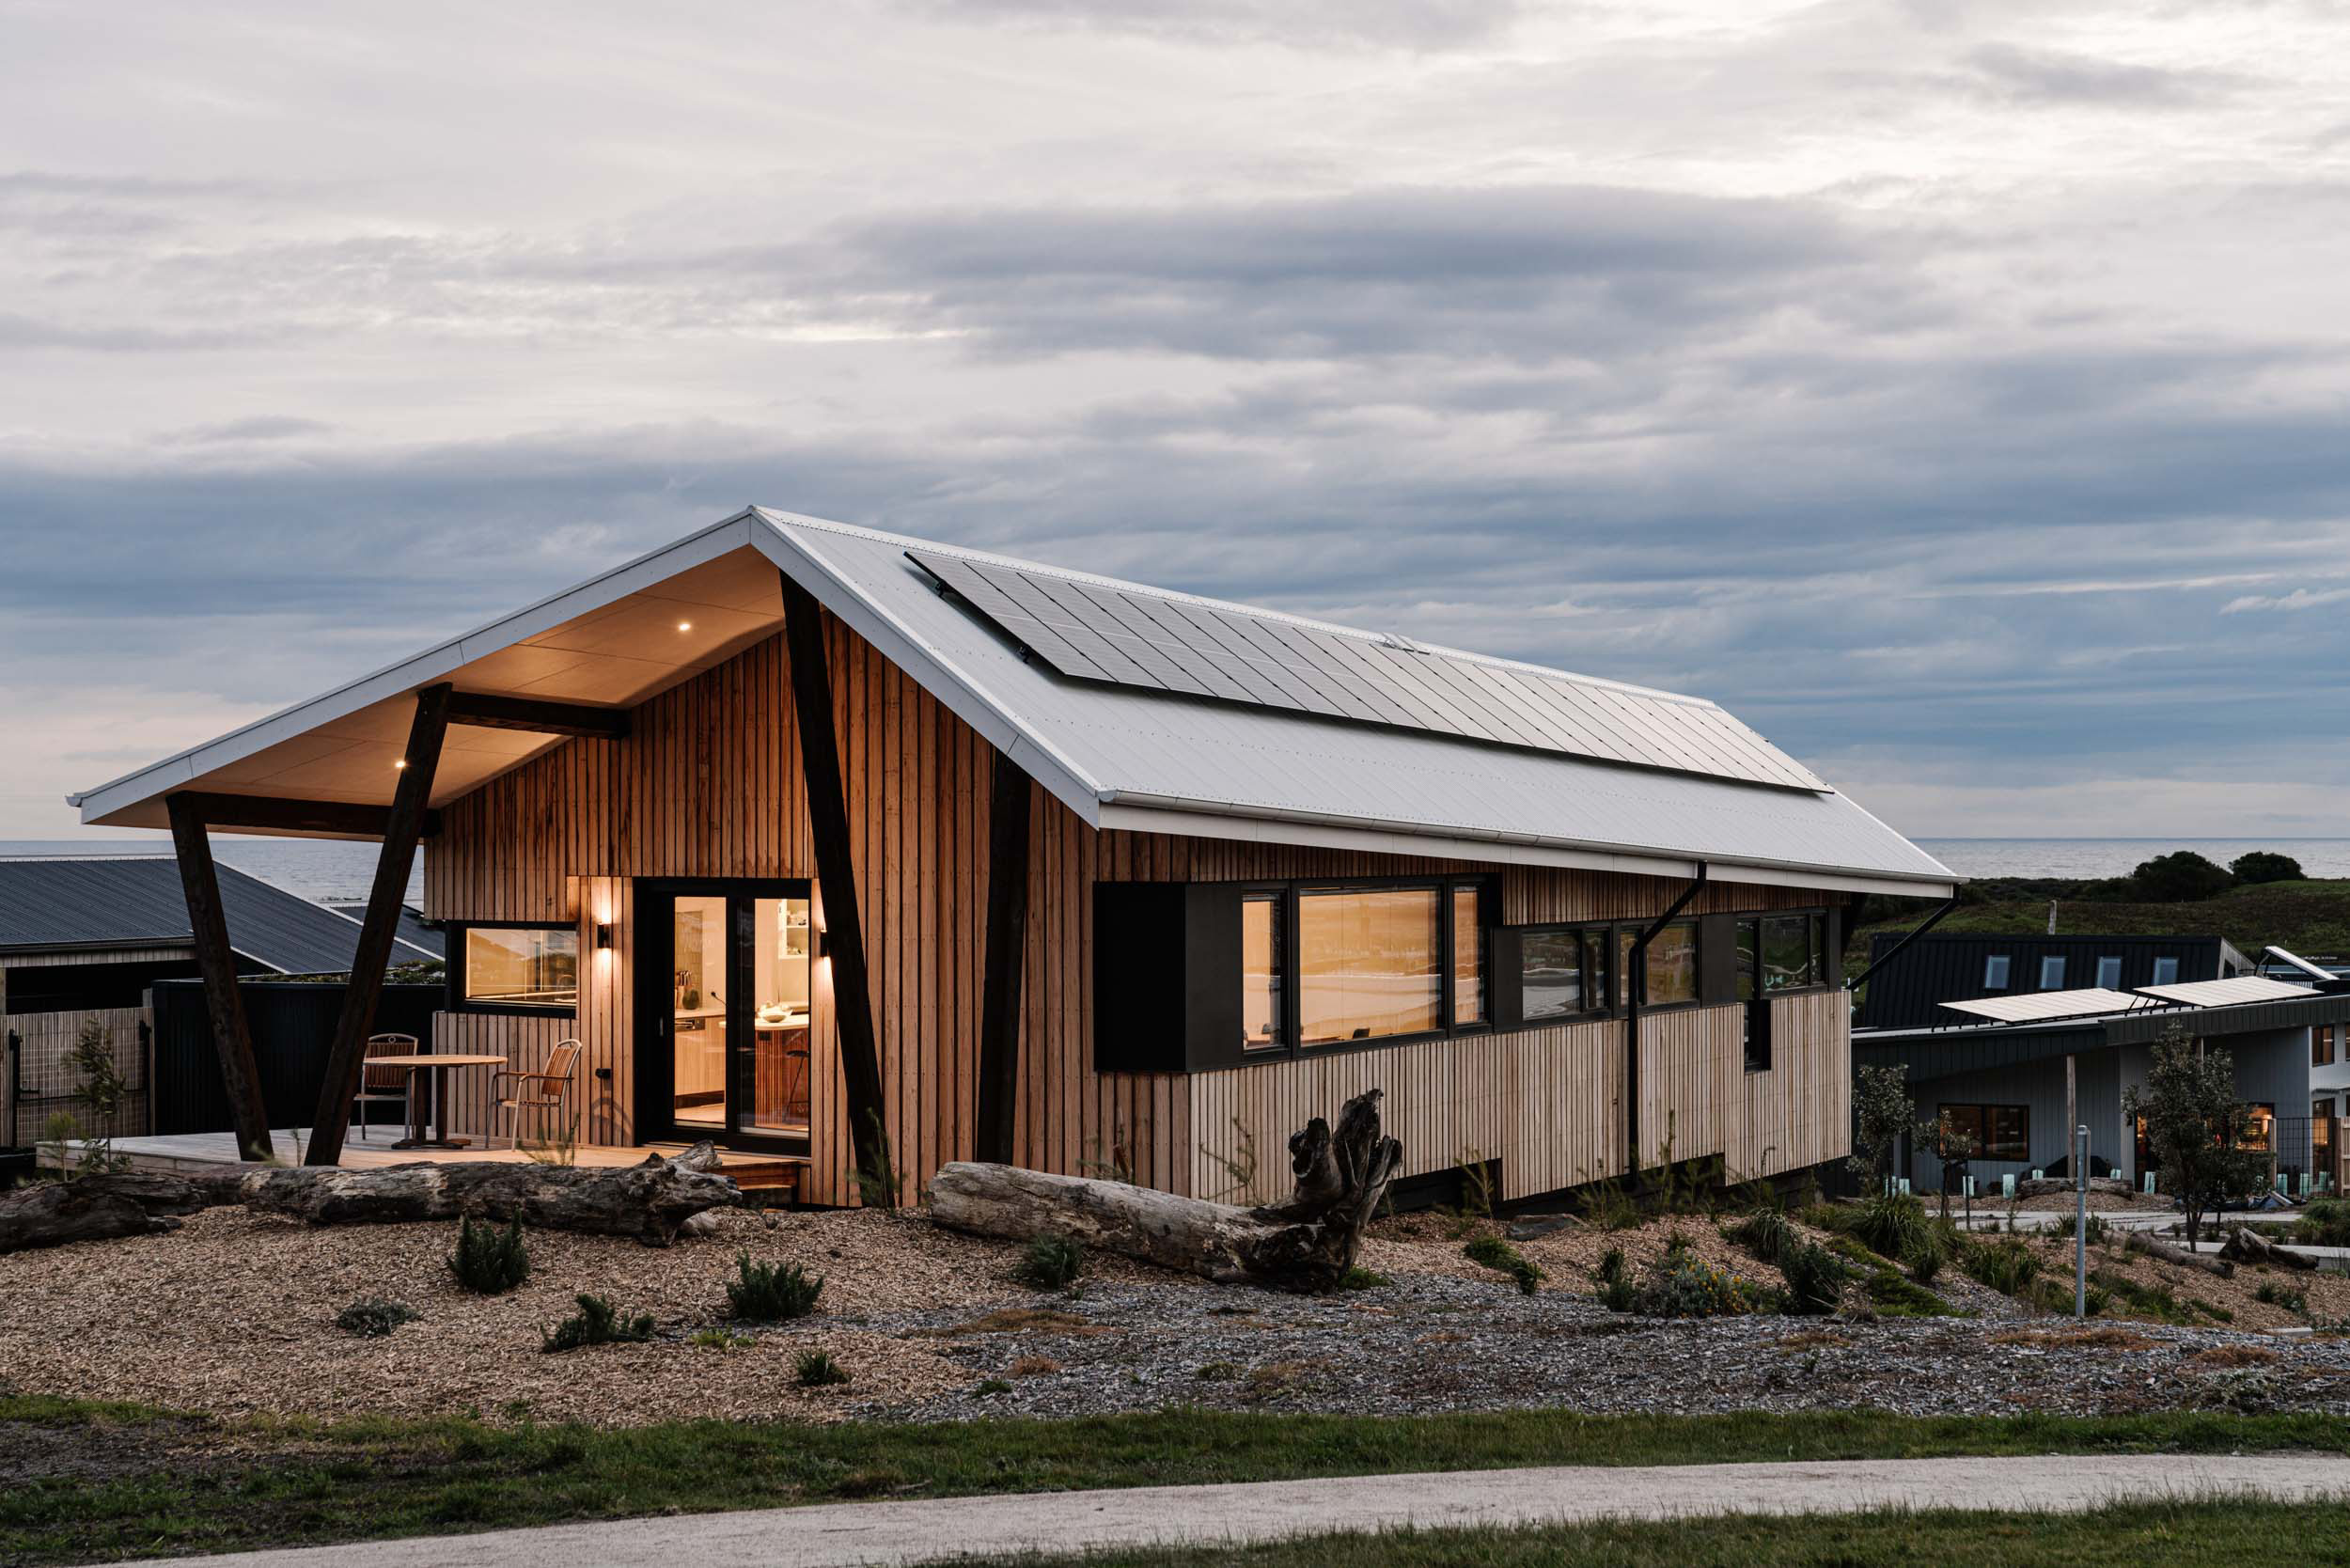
x=1094, y=631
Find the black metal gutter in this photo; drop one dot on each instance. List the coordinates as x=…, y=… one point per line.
x=1636, y=986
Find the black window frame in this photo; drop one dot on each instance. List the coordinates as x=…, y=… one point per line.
x=1598, y=1000
x=1983, y=1110
x=453, y=970
x=1292, y=893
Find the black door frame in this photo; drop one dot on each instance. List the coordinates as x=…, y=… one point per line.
x=656, y=1058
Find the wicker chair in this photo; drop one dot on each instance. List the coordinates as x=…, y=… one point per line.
x=550, y=1089
x=384, y=1083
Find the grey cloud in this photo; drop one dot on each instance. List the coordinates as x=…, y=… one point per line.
x=2048, y=76
x=260, y=428
x=1421, y=24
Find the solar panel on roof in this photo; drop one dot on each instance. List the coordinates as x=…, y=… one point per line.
x=2227, y=993
x=2088, y=1002
x=1091, y=629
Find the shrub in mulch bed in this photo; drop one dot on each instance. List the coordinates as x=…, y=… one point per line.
x=597, y=1323
x=816, y=1368
x=771, y=1293
x=372, y=1317
x=1500, y=1256
x=1052, y=1262
x=488, y=1260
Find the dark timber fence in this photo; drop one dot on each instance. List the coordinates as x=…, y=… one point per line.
x=292, y=1025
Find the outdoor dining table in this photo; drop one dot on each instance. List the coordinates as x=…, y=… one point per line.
x=438, y=1064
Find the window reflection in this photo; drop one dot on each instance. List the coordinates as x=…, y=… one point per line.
x=533, y=967
x=1369, y=964
x=1261, y=970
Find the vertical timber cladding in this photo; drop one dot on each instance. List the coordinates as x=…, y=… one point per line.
x=708, y=784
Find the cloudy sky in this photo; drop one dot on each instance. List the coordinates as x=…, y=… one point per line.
x=1955, y=391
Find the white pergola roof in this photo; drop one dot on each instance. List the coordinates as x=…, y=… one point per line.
x=2037, y=1006
x=1117, y=755
x=2229, y=992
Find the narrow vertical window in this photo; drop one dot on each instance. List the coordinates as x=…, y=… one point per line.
x=1261, y=952
x=2166, y=971
x=2052, y=973
x=1995, y=972
x=1468, y=958
x=2322, y=1046
x=2109, y=973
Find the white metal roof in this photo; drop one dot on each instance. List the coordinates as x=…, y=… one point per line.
x=1118, y=756
x=2227, y=993
x=2032, y=1006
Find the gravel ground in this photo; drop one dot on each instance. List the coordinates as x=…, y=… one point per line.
x=234, y=1315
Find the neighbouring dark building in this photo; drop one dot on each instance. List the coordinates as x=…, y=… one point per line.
x=1909, y=992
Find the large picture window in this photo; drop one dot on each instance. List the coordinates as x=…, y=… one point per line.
x=1999, y=1131
x=1369, y=963
x=517, y=966
x=1327, y=965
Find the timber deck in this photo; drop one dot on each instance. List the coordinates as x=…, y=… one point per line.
x=191, y=1150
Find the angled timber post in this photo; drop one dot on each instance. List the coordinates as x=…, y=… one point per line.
x=836, y=874
x=410, y=799
x=1007, y=955
x=223, y=1003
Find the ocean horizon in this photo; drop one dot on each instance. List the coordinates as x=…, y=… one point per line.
x=342, y=870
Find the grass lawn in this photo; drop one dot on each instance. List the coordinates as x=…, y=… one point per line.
x=86, y=1481
x=2176, y=1534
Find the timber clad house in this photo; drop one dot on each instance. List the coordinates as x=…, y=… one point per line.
x=827, y=843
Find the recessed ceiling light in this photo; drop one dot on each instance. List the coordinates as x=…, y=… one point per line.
x=401, y=763
x=685, y=625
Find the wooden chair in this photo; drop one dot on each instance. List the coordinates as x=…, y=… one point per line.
x=550, y=1089
x=384, y=1083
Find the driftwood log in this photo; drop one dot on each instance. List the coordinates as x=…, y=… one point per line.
x=2247, y=1246
x=651, y=1202
x=2138, y=1240
x=1305, y=1243
x=96, y=1207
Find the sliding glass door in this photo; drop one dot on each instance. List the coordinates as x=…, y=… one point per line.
x=725, y=979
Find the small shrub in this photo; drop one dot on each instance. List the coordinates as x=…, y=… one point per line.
x=1923, y=1263
x=1893, y=1296
x=816, y=1368
x=1498, y=1255
x=1615, y=1291
x=372, y=1317
x=720, y=1338
x=771, y=1293
x=992, y=1387
x=1815, y=1278
x=1034, y=1366
x=1767, y=1235
x=2098, y=1230
x=1689, y=1287
x=1892, y=1225
x=2277, y=1295
x=488, y=1260
x=2324, y=1223
x=1217, y=1371
x=1360, y=1278
x=597, y=1323
x=1052, y=1262
x=2006, y=1264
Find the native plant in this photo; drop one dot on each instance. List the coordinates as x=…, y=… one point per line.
x=1052, y=1262
x=102, y=1090
x=1882, y=1113
x=1500, y=1256
x=488, y=1260
x=816, y=1368
x=597, y=1322
x=771, y=1293
x=372, y=1317
x=876, y=1174
x=2195, y=1128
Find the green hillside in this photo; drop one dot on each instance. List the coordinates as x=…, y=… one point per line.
x=2310, y=917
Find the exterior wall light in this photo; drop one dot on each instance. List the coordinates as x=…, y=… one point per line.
x=603, y=934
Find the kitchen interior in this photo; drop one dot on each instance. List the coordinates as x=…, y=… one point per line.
x=772, y=1030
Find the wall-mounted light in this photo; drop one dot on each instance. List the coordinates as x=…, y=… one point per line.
x=817, y=940
x=604, y=934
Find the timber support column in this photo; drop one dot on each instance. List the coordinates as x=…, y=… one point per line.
x=410, y=799
x=836, y=874
x=1006, y=959
x=223, y=1003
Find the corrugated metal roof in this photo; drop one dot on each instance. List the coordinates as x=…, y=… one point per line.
x=2226, y=993
x=1119, y=756
x=136, y=901
x=2088, y=1002
x=414, y=928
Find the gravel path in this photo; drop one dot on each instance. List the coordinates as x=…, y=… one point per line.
x=837, y=1535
